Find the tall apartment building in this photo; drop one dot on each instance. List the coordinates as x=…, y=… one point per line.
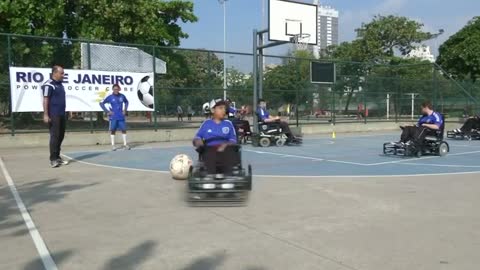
x=327, y=27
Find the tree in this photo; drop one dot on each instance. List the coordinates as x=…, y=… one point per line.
x=283, y=83
x=142, y=21
x=460, y=54
x=385, y=34
x=192, y=78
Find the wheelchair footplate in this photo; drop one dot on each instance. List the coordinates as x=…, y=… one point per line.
x=474, y=135
x=219, y=190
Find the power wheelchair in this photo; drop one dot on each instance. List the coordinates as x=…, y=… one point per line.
x=474, y=134
x=433, y=144
x=232, y=189
x=272, y=133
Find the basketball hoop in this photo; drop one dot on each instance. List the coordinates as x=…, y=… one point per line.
x=301, y=41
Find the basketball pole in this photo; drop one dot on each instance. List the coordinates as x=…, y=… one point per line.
x=255, y=83
x=258, y=68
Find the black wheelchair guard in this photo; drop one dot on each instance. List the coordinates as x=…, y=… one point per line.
x=474, y=135
x=430, y=147
x=272, y=134
x=232, y=190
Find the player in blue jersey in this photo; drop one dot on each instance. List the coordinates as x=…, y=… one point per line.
x=214, y=137
x=117, y=112
x=240, y=125
x=430, y=121
x=264, y=116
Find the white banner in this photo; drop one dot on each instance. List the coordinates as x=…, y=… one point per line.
x=84, y=89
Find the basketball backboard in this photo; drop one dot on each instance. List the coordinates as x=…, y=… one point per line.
x=289, y=19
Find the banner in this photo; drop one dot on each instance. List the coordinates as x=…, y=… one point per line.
x=84, y=89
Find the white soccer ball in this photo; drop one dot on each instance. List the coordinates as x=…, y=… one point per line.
x=180, y=166
x=206, y=107
x=145, y=92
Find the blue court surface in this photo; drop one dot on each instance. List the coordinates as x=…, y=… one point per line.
x=345, y=156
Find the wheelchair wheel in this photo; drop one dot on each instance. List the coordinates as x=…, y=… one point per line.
x=443, y=149
x=280, y=142
x=264, y=142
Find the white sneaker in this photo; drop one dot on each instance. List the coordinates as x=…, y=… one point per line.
x=126, y=147
x=62, y=162
x=114, y=148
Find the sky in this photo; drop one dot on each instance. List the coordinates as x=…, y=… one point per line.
x=242, y=16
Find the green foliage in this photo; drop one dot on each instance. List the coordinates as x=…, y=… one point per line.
x=191, y=79
x=460, y=54
x=141, y=21
x=384, y=34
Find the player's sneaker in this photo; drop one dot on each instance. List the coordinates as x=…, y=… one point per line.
x=114, y=148
x=62, y=162
x=54, y=164
x=126, y=147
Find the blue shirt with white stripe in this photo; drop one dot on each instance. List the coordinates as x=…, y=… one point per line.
x=434, y=118
x=262, y=114
x=116, y=103
x=55, y=92
x=215, y=134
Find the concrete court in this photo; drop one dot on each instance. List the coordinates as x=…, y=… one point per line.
x=94, y=217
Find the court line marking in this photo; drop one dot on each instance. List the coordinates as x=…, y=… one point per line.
x=42, y=249
x=285, y=155
x=442, y=165
x=288, y=176
x=112, y=167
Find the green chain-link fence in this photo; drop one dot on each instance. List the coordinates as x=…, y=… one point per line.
x=362, y=92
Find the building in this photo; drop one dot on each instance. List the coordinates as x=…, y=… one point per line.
x=422, y=52
x=327, y=27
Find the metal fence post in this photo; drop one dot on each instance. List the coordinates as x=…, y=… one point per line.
x=9, y=53
x=155, y=123
x=365, y=107
x=89, y=66
x=255, y=81
x=209, y=75
x=435, y=87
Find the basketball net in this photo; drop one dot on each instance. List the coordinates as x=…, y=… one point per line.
x=301, y=41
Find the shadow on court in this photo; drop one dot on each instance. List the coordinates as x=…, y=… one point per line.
x=87, y=156
x=133, y=258
x=207, y=263
x=50, y=190
x=58, y=257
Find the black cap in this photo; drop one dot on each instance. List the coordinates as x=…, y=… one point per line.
x=219, y=103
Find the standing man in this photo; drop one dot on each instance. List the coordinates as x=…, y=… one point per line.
x=116, y=115
x=179, y=113
x=54, y=113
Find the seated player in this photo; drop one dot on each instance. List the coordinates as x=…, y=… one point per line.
x=430, y=121
x=215, y=137
x=469, y=125
x=264, y=116
x=237, y=122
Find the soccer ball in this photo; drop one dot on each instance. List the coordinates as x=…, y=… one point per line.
x=145, y=92
x=180, y=167
x=206, y=107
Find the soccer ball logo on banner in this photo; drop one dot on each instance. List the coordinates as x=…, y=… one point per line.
x=145, y=92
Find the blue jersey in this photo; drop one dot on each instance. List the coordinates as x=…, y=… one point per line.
x=231, y=111
x=262, y=114
x=55, y=92
x=216, y=134
x=434, y=118
x=116, y=103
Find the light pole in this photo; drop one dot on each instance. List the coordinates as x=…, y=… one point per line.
x=434, y=37
x=223, y=2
